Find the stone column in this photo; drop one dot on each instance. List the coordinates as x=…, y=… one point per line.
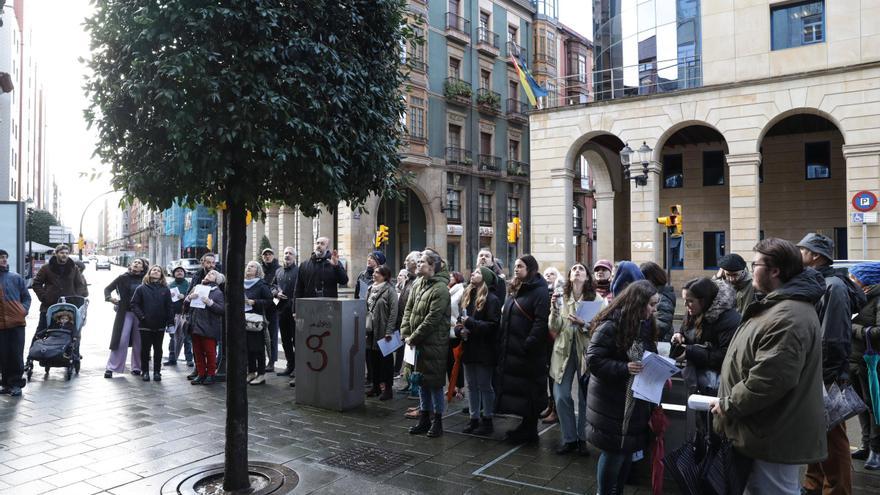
x=258, y=228
x=647, y=238
x=272, y=229
x=326, y=227
x=355, y=236
x=604, y=224
x=286, y=228
x=745, y=203
x=862, y=174
x=551, y=203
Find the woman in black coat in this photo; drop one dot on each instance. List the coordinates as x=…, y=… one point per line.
x=258, y=299
x=125, y=325
x=477, y=327
x=617, y=423
x=521, y=373
x=151, y=303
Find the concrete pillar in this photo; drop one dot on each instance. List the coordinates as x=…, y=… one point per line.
x=605, y=224
x=551, y=215
x=286, y=228
x=647, y=238
x=306, y=240
x=259, y=229
x=272, y=229
x=355, y=236
x=745, y=203
x=862, y=174
x=326, y=227
x=249, y=240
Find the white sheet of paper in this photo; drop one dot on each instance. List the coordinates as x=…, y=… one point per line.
x=409, y=355
x=586, y=310
x=387, y=347
x=247, y=307
x=201, y=291
x=648, y=385
x=175, y=295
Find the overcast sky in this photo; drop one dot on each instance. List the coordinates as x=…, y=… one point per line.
x=578, y=15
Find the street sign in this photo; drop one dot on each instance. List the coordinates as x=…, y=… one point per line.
x=864, y=201
x=56, y=229
x=857, y=217
x=864, y=217
x=870, y=217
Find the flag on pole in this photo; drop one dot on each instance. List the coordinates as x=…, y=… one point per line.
x=530, y=86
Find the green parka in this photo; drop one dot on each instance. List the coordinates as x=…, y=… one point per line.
x=426, y=324
x=771, y=379
x=382, y=311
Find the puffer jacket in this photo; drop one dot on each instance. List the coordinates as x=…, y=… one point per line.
x=608, y=388
x=55, y=280
x=382, y=310
x=208, y=321
x=521, y=373
x=455, y=293
x=665, y=312
x=718, y=326
x=868, y=317
x=771, y=379
x=841, y=300
x=426, y=325
x=15, y=300
x=568, y=335
x=479, y=348
x=151, y=303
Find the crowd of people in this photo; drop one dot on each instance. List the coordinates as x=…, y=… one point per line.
x=764, y=342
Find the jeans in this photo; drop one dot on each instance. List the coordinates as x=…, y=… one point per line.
x=152, y=339
x=770, y=477
x=432, y=399
x=481, y=395
x=573, y=429
x=612, y=470
x=11, y=353
x=177, y=342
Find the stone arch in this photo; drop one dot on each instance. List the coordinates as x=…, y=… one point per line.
x=670, y=131
x=577, y=147
x=797, y=111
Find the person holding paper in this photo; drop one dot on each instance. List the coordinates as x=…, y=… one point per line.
x=477, y=327
x=617, y=422
x=381, y=319
x=151, y=303
x=570, y=335
x=207, y=325
x=125, y=330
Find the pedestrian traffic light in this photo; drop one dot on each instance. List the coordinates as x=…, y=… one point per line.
x=673, y=222
x=514, y=230
x=381, y=235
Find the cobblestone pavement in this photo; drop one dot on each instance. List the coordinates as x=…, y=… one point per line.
x=126, y=436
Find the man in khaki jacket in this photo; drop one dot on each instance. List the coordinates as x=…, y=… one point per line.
x=770, y=401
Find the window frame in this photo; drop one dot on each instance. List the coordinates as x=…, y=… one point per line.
x=826, y=144
x=788, y=6
x=715, y=236
x=484, y=212
x=722, y=179
x=453, y=206
x=667, y=172
x=416, y=117
x=513, y=209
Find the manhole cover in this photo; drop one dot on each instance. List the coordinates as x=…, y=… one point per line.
x=367, y=460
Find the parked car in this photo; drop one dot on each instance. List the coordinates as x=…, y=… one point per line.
x=102, y=263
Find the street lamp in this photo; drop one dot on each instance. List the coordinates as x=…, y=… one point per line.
x=30, y=222
x=643, y=156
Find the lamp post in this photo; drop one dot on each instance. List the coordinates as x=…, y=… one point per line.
x=643, y=157
x=30, y=223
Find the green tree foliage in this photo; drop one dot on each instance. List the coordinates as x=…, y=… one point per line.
x=40, y=222
x=264, y=244
x=294, y=102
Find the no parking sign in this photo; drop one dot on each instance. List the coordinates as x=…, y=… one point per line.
x=864, y=201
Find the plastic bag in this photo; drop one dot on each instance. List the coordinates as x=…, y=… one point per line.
x=841, y=404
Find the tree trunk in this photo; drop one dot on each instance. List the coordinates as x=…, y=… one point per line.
x=236, y=460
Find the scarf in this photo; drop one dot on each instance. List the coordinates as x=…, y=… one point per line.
x=250, y=282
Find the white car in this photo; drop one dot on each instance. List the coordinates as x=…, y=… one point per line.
x=102, y=263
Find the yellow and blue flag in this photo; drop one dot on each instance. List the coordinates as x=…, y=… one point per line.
x=530, y=86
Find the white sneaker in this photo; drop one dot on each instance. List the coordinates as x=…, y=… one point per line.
x=259, y=380
x=251, y=376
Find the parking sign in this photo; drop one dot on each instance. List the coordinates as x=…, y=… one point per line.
x=864, y=201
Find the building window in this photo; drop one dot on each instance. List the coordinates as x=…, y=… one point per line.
x=416, y=117
x=417, y=50
x=713, y=168
x=453, y=205
x=486, y=209
x=453, y=6
x=484, y=21
x=713, y=249
x=485, y=143
x=454, y=136
x=817, y=159
x=452, y=256
x=577, y=217
x=454, y=68
x=485, y=79
x=582, y=68
x=547, y=7
x=513, y=91
x=797, y=24
x=512, y=208
x=676, y=253
x=513, y=149
x=512, y=34
x=673, y=175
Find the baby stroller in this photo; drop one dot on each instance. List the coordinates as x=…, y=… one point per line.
x=58, y=346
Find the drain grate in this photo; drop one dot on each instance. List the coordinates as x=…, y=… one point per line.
x=367, y=460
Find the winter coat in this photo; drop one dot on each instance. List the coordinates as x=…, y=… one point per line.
x=608, y=389
x=262, y=296
x=382, y=314
x=404, y=295
x=455, y=293
x=479, y=348
x=285, y=279
x=365, y=278
x=426, y=324
x=200, y=275
x=521, y=373
x=208, y=321
x=269, y=271
x=15, y=300
x=771, y=379
x=183, y=288
x=719, y=323
x=868, y=317
x=745, y=292
x=665, y=312
x=568, y=335
x=841, y=300
x=55, y=280
x=124, y=285
x=318, y=274
x=151, y=303
x=627, y=273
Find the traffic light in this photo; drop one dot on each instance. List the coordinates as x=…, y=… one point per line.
x=209, y=242
x=81, y=243
x=381, y=235
x=673, y=222
x=514, y=230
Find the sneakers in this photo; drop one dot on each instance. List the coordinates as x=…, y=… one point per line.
x=250, y=376
x=157, y=377
x=108, y=374
x=198, y=380
x=258, y=380
x=872, y=464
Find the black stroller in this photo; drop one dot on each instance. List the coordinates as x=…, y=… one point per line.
x=58, y=346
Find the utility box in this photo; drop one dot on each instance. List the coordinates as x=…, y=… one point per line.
x=330, y=352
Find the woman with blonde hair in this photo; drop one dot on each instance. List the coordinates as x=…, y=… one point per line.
x=257, y=298
x=151, y=304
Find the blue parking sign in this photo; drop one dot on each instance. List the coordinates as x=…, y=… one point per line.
x=864, y=201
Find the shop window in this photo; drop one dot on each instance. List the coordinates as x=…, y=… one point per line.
x=713, y=249
x=673, y=174
x=817, y=160
x=713, y=168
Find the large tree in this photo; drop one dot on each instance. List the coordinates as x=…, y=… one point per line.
x=40, y=222
x=294, y=102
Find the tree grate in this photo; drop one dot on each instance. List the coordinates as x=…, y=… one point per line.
x=367, y=460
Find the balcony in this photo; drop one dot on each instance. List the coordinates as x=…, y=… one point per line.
x=457, y=91
x=458, y=28
x=459, y=158
x=517, y=111
x=517, y=169
x=487, y=42
x=490, y=164
x=417, y=65
x=545, y=58
x=513, y=50
x=489, y=101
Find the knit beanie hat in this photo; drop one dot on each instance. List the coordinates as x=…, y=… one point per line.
x=732, y=262
x=488, y=276
x=604, y=264
x=867, y=273
x=379, y=256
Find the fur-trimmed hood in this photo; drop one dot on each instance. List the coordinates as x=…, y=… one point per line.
x=724, y=300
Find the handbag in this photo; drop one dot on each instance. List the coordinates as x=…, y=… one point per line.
x=841, y=403
x=254, y=322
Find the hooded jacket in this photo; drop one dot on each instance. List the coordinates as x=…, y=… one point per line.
x=15, y=300
x=627, y=273
x=665, y=312
x=841, y=300
x=318, y=274
x=771, y=379
x=151, y=303
x=58, y=279
x=426, y=324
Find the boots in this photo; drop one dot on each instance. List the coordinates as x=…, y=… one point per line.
x=861, y=454
x=424, y=424
x=873, y=462
x=373, y=392
x=436, y=426
x=485, y=428
x=472, y=425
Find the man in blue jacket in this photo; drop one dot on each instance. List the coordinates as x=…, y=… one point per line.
x=15, y=302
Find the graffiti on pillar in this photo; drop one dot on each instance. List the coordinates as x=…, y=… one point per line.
x=315, y=343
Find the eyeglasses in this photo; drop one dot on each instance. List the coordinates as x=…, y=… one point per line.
x=758, y=264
